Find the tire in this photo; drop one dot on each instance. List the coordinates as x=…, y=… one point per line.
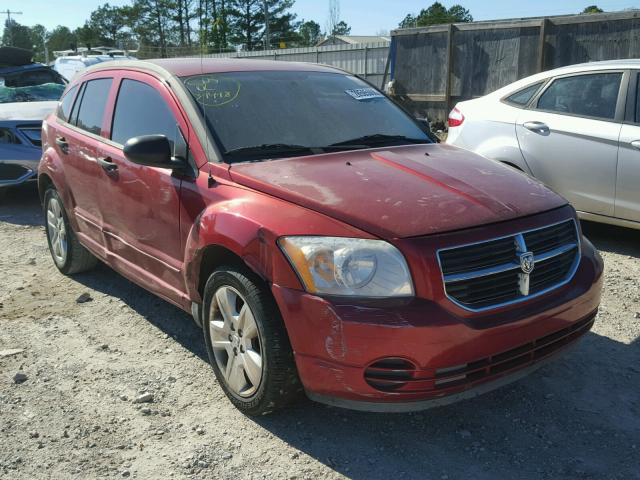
x=68, y=254
x=233, y=352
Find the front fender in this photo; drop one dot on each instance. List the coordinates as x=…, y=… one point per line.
x=243, y=236
x=248, y=224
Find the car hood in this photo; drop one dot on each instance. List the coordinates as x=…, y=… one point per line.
x=26, y=110
x=402, y=191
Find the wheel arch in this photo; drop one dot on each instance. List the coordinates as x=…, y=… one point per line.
x=220, y=237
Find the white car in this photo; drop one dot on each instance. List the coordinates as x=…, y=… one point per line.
x=577, y=129
x=71, y=66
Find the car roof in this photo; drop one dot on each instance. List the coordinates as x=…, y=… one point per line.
x=184, y=67
x=629, y=64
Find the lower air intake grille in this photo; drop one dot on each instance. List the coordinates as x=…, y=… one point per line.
x=513, y=268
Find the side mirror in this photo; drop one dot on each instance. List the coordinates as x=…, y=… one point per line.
x=151, y=151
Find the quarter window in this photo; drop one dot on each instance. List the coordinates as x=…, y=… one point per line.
x=522, y=97
x=64, y=109
x=93, y=103
x=141, y=110
x=593, y=95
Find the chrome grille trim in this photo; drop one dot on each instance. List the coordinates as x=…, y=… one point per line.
x=523, y=283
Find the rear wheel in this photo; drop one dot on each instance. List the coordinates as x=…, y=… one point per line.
x=68, y=254
x=247, y=343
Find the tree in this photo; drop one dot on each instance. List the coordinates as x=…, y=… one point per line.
x=16, y=35
x=437, y=14
x=87, y=36
x=341, y=28
x=109, y=22
x=151, y=21
x=61, y=38
x=592, y=9
x=334, y=15
x=246, y=21
x=40, y=36
x=280, y=24
x=310, y=33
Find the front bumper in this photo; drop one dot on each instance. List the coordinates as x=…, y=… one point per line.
x=339, y=344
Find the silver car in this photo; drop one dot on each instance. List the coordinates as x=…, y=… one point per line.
x=28, y=93
x=577, y=129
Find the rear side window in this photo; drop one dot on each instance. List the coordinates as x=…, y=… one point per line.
x=64, y=109
x=593, y=95
x=93, y=103
x=524, y=96
x=141, y=110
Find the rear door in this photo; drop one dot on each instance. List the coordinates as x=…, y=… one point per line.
x=76, y=138
x=140, y=204
x=569, y=137
x=628, y=178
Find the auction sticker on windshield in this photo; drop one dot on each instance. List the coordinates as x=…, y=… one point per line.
x=364, y=93
x=213, y=92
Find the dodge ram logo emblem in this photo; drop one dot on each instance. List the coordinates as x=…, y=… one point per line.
x=527, y=264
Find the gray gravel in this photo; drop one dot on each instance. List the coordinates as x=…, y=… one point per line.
x=87, y=365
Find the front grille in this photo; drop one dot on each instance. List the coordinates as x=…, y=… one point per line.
x=513, y=268
x=10, y=171
x=33, y=133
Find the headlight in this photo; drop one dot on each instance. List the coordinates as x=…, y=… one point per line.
x=348, y=266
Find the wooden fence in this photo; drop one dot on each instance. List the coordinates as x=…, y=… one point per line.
x=435, y=67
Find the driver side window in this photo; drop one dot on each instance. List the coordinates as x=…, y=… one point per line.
x=593, y=95
x=141, y=110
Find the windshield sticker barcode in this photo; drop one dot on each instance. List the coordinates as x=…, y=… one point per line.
x=364, y=93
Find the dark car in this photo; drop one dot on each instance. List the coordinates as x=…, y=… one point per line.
x=319, y=238
x=28, y=93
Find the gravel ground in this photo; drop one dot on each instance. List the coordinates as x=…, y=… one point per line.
x=73, y=412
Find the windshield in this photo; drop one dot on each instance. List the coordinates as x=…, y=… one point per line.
x=262, y=115
x=31, y=86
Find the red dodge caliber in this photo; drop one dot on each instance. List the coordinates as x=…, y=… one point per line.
x=320, y=239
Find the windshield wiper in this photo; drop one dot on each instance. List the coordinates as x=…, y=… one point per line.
x=270, y=148
x=379, y=138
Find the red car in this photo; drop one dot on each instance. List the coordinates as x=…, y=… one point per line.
x=314, y=231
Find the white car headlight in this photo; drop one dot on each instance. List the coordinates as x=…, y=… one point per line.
x=348, y=266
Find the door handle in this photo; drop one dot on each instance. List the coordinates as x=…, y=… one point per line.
x=107, y=164
x=62, y=143
x=537, y=127
x=635, y=144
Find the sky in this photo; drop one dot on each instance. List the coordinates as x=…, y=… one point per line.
x=366, y=17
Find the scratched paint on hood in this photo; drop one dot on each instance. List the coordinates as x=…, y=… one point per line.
x=402, y=191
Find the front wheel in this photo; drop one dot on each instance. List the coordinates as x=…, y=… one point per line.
x=247, y=343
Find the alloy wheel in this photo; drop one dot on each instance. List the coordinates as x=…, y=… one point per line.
x=57, y=231
x=236, y=342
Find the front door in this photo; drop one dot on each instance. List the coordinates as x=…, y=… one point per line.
x=140, y=204
x=569, y=138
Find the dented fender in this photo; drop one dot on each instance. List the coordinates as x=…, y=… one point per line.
x=247, y=223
